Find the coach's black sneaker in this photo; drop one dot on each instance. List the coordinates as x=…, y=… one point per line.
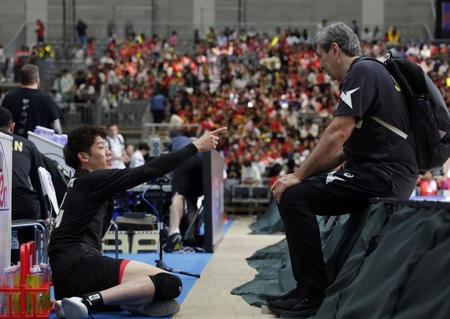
x=295, y=306
x=293, y=293
x=174, y=243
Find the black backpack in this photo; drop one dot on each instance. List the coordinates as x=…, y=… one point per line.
x=429, y=116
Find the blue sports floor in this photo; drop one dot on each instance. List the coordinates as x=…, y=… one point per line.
x=189, y=262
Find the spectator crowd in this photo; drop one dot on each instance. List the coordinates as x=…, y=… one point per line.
x=268, y=90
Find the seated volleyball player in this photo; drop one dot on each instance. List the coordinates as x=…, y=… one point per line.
x=85, y=280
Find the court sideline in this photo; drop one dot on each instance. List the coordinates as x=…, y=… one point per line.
x=210, y=297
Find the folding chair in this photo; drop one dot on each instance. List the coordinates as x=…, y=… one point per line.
x=260, y=194
x=49, y=190
x=240, y=194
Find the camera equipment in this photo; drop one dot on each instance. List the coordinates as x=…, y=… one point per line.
x=155, y=147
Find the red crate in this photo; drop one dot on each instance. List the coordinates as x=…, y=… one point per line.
x=27, y=252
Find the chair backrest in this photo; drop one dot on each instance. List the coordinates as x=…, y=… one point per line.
x=241, y=191
x=261, y=194
x=240, y=194
x=48, y=189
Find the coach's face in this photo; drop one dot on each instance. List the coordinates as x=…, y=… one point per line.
x=329, y=61
x=99, y=156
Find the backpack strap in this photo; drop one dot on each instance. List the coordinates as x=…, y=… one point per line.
x=366, y=58
x=390, y=127
x=108, y=141
x=121, y=140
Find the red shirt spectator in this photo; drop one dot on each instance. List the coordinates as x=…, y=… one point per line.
x=40, y=30
x=427, y=185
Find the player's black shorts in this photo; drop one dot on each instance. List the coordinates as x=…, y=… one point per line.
x=88, y=274
x=187, y=179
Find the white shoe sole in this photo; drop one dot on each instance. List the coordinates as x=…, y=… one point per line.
x=74, y=309
x=155, y=309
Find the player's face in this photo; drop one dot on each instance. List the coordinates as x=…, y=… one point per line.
x=100, y=155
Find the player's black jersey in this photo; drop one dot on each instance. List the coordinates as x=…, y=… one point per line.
x=369, y=91
x=27, y=198
x=87, y=208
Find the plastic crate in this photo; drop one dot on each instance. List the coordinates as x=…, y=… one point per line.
x=27, y=254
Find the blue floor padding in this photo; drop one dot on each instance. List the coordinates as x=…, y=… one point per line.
x=193, y=263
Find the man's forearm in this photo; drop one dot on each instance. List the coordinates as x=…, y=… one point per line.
x=57, y=126
x=319, y=162
x=327, y=155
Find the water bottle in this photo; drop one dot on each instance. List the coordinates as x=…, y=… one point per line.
x=3, y=295
x=45, y=132
x=10, y=276
x=33, y=281
x=63, y=139
x=55, y=138
x=38, y=130
x=16, y=284
x=44, y=272
x=15, y=245
x=45, y=279
x=14, y=240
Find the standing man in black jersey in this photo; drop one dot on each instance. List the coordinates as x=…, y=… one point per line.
x=27, y=197
x=372, y=161
x=83, y=278
x=29, y=106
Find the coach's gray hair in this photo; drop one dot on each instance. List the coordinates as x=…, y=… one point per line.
x=340, y=33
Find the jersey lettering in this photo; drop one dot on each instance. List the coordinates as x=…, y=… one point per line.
x=18, y=146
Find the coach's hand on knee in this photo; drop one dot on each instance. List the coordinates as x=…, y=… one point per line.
x=283, y=183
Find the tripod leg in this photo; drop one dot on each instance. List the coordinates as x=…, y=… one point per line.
x=193, y=222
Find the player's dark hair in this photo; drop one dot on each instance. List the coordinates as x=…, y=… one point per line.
x=80, y=140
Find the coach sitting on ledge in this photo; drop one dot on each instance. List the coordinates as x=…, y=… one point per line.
x=378, y=163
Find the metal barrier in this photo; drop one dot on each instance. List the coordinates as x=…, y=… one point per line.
x=129, y=116
x=254, y=194
x=76, y=114
x=41, y=235
x=162, y=129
